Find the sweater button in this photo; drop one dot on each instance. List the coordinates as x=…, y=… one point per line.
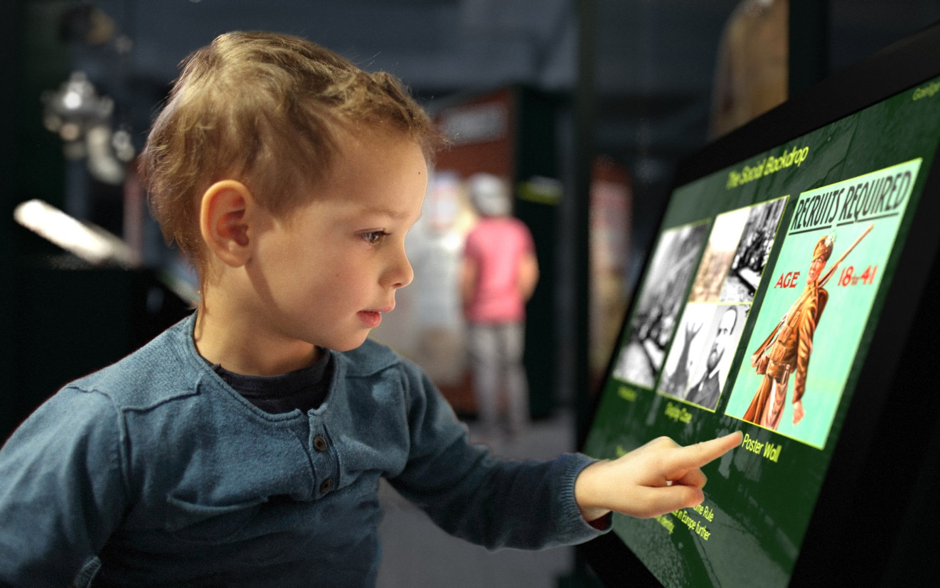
x=319, y=443
x=326, y=486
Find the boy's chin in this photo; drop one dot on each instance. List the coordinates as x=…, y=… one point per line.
x=350, y=344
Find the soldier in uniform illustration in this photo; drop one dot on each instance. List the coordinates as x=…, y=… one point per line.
x=788, y=348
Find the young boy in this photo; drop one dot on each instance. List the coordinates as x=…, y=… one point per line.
x=243, y=446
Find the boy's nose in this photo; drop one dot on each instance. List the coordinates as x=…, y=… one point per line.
x=407, y=275
x=401, y=273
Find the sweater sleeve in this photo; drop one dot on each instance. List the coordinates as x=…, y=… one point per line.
x=62, y=489
x=491, y=502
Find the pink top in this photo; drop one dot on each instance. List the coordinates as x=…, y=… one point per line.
x=498, y=245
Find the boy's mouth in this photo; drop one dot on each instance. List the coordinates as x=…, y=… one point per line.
x=373, y=318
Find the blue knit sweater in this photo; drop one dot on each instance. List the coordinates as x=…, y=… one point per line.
x=154, y=472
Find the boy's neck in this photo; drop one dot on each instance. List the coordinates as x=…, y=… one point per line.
x=228, y=339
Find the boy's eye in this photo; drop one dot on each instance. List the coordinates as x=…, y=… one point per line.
x=373, y=237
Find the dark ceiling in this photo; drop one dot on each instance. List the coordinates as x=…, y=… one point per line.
x=653, y=68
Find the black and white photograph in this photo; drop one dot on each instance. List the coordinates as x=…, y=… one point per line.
x=660, y=301
x=701, y=355
x=686, y=349
x=753, y=251
x=719, y=253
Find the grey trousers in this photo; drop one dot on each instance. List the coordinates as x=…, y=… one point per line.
x=496, y=364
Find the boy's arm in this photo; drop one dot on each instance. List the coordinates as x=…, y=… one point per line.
x=654, y=479
x=536, y=504
x=469, y=494
x=62, y=490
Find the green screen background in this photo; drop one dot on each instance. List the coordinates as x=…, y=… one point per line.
x=760, y=509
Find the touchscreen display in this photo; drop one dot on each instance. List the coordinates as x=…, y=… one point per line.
x=755, y=313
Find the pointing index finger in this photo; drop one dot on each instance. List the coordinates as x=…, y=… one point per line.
x=697, y=455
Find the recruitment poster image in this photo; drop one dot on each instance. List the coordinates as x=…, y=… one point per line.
x=812, y=318
x=792, y=253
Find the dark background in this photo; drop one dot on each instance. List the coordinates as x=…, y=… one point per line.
x=632, y=80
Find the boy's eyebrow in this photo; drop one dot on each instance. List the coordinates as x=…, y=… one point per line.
x=389, y=212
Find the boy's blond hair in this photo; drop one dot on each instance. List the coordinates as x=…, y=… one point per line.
x=266, y=109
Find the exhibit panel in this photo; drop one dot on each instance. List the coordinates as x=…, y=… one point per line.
x=758, y=311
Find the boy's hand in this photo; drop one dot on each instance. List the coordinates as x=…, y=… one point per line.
x=651, y=480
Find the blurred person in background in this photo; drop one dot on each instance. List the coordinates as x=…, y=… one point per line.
x=500, y=273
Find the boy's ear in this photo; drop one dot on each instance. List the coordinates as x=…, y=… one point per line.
x=225, y=218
